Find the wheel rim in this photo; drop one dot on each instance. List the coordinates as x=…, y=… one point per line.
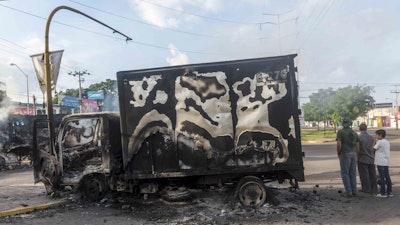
x=252, y=193
x=94, y=189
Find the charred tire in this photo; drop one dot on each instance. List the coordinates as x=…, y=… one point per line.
x=251, y=191
x=95, y=187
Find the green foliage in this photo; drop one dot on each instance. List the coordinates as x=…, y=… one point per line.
x=68, y=92
x=108, y=86
x=317, y=108
x=350, y=102
x=312, y=134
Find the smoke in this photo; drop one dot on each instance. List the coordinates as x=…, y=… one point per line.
x=110, y=102
x=5, y=108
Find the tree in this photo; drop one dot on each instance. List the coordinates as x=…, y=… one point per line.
x=108, y=86
x=68, y=92
x=351, y=102
x=318, y=107
x=327, y=104
x=110, y=102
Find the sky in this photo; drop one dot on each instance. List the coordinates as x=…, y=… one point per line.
x=338, y=42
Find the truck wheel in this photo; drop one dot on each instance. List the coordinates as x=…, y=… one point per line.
x=95, y=187
x=251, y=191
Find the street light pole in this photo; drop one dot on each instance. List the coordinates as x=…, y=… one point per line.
x=47, y=67
x=27, y=87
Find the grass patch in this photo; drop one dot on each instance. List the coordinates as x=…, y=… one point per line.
x=311, y=134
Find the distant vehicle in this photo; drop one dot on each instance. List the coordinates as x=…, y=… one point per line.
x=8, y=161
x=16, y=134
x=234, y=122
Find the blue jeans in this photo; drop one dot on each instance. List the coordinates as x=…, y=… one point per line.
x=348, y=171
x=385, y=180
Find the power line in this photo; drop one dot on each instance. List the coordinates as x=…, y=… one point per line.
x=166, y=28
x=57, y=22
x=13, y=43
x=320, y=17
x=142, y=22
x=132, y=41
x=80, y=75
x=206, y=17
x=24, y=54
x=15, y=50
x=278, y=15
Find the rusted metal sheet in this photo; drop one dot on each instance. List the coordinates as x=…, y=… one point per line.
x=213, y=116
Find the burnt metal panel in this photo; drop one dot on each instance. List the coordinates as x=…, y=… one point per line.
x=210, y=116
x=89, y=143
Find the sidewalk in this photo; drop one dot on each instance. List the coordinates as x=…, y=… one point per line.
x=20, y=195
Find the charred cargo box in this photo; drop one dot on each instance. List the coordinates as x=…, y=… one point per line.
x=214, y=118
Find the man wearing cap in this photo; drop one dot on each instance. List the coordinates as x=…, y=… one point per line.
x=347, y=149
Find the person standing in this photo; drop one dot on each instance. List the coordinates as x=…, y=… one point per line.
x=347, y=148
x=366, y=166
x=382, y=161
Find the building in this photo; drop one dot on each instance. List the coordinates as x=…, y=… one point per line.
x=382, y=115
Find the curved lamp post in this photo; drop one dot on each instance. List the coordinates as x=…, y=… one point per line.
x=47, y=67
x=27, y=87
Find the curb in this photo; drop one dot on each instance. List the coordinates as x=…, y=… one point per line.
x=21, y=210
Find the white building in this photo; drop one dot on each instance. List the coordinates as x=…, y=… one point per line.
x=382, y=115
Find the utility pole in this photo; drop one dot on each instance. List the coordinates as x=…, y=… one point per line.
x=80, y=75
x=396, y=106
x=278, y=15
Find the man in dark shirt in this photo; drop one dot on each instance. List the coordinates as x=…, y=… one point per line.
x=366, y=167
x=347, y=148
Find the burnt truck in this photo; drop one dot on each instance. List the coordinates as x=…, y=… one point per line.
x=232, y=122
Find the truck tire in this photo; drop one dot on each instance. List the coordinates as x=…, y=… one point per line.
x=95, y=187
x=251, y=191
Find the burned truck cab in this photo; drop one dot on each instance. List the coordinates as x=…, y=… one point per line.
x=86, y=146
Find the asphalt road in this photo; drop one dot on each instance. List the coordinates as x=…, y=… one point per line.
x=322, y=165
x=321, y=169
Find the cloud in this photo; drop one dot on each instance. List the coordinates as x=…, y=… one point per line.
x=35, y=44
x=177, y=57
x=156, y=15
x=338, y=73
x=174, y=13
x=208, y=5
